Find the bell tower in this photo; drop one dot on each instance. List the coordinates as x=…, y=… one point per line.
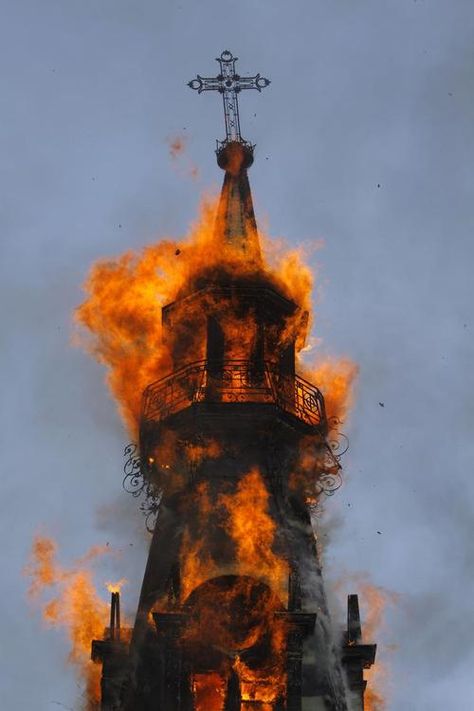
x=232, y=613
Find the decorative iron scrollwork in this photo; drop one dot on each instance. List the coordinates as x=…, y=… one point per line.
x=133, y=481
x=337, y=441
x=135, y=484
x=337, y=444
x=329, y=482
x=320, y=467
x=151, y=509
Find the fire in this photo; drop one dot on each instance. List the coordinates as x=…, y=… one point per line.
x=197, y=564
x=289, y=269
x=335, y=379
x=74, y=606
x=233, y=581
x=42, y=568
x=125, y=295
x=233, y=608
x=230, y=617
x=373, y=701
x=196, y=453
x=116, y=587
x=374, y=601
x=253, y=531
x=244, y=515
x=209, y=691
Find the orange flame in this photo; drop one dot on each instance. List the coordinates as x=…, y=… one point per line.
x=373, y=700
x=253, y=530
x=197, y=564
x=209, y=691
x=123, y=316
x=74, y=606
x=116, y=587
x=335, y=379
x=122, y=311
x=219, y=620
x=374, y=601
x=245, y=516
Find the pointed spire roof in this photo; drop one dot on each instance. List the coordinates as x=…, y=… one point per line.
x=235, y=224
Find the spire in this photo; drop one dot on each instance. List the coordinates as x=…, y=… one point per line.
x=235, y=221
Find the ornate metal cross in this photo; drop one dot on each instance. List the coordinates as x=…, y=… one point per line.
x=229, y=84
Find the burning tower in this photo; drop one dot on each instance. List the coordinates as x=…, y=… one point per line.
x=234, y=450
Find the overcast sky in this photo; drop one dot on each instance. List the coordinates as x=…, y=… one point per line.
x=364, y=141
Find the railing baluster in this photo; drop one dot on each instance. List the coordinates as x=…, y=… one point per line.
x=192, y=383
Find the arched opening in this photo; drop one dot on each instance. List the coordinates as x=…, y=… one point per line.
x=235, y=645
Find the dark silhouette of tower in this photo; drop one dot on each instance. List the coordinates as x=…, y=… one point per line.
x=232, y=612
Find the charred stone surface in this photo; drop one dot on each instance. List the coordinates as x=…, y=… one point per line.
x=299, y=625
x=113, y=653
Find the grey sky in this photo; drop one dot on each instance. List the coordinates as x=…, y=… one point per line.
x=364, y=93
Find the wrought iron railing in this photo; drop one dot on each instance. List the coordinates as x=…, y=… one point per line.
x=233, y=381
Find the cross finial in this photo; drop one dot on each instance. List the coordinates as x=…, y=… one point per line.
x=229, y=84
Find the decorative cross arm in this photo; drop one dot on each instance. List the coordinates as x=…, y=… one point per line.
x=229, y=84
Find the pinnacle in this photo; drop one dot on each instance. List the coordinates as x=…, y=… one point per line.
x=235, y=224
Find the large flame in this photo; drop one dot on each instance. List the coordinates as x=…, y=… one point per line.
x=253, y=530
x=197, y=564
x=244, y=515
x=125, y=295
x=234, y=629
x=122, y=317
x=73, y=605
x=232, y=611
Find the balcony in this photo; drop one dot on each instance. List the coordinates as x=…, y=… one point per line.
x=231, y=382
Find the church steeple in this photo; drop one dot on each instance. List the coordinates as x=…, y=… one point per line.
x=235, y=221
x=232, y=612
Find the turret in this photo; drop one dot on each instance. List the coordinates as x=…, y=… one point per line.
x=356, y=656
